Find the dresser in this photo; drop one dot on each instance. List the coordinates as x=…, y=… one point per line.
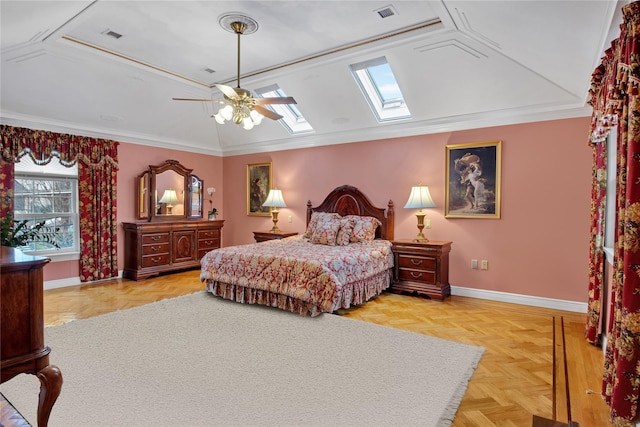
x=421, y=268
x=152, y=248
x=22, y=327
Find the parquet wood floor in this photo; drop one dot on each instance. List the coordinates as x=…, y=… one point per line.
x=511, y=384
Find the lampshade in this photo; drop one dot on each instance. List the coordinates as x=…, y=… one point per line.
x=169, y=197
x=420, y=198
x=274, y=199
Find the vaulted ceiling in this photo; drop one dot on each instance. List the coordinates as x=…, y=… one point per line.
x=460, y=65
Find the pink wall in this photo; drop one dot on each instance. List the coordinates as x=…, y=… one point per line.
x=539, y=247
x=133, y=159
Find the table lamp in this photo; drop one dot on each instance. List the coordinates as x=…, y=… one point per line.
x=418, y=199
x=275, y=201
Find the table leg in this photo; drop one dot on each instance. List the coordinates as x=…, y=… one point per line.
x=50, y=385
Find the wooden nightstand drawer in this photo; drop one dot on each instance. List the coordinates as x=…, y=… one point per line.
x=416, y=262
x=409, y=275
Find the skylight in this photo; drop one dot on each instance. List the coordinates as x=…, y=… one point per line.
x=292, y=119
x=381, y=90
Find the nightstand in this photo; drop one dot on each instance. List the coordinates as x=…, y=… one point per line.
x=263, y=236
x=421, y=268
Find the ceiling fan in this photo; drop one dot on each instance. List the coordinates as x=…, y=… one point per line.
x=239, y=106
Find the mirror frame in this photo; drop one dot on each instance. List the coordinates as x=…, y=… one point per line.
x=192, y=195
x=144, y=202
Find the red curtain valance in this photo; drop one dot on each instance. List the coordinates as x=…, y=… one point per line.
x=42, y=145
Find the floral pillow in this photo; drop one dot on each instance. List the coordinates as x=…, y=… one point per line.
x=326, y=230
x=364, y=229
x=313, y=222
x=345, y=231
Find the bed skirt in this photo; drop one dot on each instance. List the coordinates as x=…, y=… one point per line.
x=354, y=293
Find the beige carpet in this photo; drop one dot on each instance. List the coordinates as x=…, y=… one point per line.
x=198, y=360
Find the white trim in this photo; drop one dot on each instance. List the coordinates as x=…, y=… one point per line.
x=73, y=281
x=556, y=304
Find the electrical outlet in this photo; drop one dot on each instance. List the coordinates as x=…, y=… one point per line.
x=484, y=265
x=290, y=219
x=474, y=263
x=427, y=223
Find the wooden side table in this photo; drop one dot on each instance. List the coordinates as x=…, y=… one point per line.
x=22, y=346
x=421, y=268
x=263, y=236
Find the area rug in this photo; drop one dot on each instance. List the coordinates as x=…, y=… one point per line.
x=198, y=360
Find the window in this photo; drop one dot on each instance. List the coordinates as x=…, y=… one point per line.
x=292, y=119
x=381, y=90
x=48, y=193
x=610, y=202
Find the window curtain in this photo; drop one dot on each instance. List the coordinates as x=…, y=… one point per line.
x=615, y=99
x=97, y=182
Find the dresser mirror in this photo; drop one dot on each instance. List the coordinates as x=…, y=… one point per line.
x=169, y=192
x=197, y=196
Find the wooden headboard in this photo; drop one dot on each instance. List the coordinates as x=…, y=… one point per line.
x=348, y=200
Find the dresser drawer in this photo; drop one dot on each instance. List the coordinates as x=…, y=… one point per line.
x=416, y=262
x=412, y=275
x=148, y=239
x=155, y=260
x=208, y=234
x=155, y=249
x=208, y=243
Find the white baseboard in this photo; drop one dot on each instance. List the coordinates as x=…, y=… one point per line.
x=71, y=281
x=556, y=304
x=578, y=307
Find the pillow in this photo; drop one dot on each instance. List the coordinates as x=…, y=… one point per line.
x=326, y=230
x=364, y=229
x=313, y=222
x=345, y=231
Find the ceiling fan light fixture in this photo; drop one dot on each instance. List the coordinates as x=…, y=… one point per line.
x=256, y=117
x=247, y=123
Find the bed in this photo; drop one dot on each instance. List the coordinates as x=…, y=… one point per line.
x=307, y=273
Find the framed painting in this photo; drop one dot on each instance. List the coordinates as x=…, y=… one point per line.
x=259, y=177
x=472, y=186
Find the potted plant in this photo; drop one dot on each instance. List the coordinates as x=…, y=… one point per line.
x=19, y=233
x=212, y=211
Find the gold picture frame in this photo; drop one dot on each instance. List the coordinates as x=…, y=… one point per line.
x=259, y=179
x=472, y=184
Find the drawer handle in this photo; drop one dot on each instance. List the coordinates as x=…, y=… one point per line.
x=416, y=261
x=156, y=248
x=208, y=242
x=416, y=275
x=208, y=234
x=156, y=260
x=156, y=238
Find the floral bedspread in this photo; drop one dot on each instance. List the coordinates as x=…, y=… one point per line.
x=294, y=267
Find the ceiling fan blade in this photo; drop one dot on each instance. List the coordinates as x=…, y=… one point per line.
x=267, y=113
x=228, y=91
x=194, y=99
x=277, y=100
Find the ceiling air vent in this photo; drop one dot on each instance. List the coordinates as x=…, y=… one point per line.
x=208, y=70
x=112, y=33
x=386, y=12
